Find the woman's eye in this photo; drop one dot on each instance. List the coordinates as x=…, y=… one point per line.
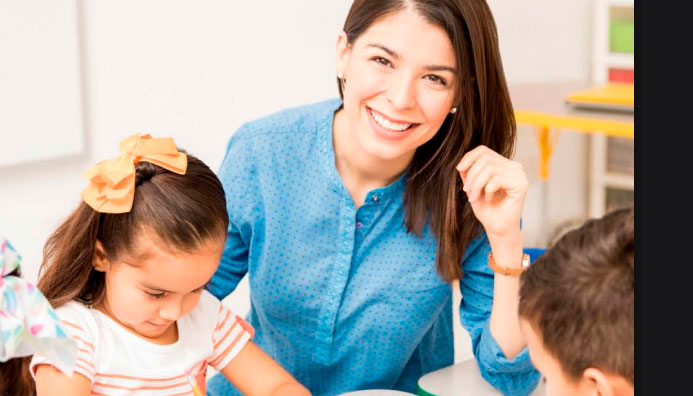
x=436, y=79
x=156, y=295
x=198, y=290
x=381, y=61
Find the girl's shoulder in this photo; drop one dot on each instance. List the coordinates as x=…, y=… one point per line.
x=77, y=317
x=209, y=310
x=78, y=323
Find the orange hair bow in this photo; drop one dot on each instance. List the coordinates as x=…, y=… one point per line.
x=112, y=182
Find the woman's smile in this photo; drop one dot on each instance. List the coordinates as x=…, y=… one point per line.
x=388, y=128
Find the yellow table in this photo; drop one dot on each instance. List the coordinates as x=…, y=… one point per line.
x=543, y=106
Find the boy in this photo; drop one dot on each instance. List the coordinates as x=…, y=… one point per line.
x=576, y=309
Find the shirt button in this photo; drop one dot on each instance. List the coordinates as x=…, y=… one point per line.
x=359, y=225
x=375, y=198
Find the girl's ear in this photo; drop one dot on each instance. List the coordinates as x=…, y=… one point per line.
x=597, y=382
x=100, y=260
x=342, y=53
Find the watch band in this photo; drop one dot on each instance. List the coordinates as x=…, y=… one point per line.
x=509, y=271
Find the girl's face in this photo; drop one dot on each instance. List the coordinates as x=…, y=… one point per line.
x=400, y=84
x=147, y=291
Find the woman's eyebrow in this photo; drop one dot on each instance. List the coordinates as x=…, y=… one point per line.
x=397, y=56
x=384, y=48
x=441, y=68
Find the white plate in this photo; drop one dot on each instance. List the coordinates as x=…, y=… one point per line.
x=376, y=392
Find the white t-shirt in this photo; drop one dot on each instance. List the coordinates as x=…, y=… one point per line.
x=118, y=362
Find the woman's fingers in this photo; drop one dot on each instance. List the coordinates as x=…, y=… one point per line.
x=487, y=166
x=492, y=187
x=477, y=178
x=471, y=157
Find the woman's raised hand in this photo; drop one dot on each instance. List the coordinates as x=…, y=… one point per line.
x=496, y=188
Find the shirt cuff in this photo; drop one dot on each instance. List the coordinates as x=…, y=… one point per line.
x=494, y=360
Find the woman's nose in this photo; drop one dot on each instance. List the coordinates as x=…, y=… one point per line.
x=402, y=92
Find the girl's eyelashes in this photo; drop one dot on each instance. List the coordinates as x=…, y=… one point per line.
x=156, y=296
x=159, y=295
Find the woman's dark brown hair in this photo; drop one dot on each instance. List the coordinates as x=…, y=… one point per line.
x=484, y=117
x=185, y=212
x=579, y=296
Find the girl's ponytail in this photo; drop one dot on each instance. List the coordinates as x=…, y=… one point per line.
x=67, y=271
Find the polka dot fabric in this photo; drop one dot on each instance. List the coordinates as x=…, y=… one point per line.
x=344, y=299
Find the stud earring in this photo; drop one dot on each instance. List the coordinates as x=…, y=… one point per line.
x=454, y=110
x=342, y=80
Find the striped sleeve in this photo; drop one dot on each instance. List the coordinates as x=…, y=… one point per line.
x=77, y=330
x=229, y=336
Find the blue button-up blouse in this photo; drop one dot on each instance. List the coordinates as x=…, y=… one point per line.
x=344, y=299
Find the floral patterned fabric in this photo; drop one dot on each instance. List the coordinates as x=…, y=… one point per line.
x=28, y=323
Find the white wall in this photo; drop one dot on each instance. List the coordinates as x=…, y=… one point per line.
x=548, y=40
x=196, y=70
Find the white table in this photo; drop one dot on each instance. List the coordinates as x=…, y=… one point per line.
x=462, y=379
x=377, y=392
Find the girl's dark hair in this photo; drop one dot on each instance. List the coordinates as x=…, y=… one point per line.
x=484, y=117
x=183, y=211
x=579, y=296
x=15, y=379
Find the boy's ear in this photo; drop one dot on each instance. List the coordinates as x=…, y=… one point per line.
x=597, y=382
x=99, y=259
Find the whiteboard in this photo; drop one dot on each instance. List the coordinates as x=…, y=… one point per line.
x=39, y=81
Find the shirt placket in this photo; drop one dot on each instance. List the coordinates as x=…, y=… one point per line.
x=336, y=282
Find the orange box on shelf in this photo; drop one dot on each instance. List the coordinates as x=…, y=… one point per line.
x=621, y=75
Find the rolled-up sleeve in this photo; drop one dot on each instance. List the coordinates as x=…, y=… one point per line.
x=236, y=173
x=514, y=376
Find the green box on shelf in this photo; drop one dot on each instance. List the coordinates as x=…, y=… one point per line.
x=621, y=36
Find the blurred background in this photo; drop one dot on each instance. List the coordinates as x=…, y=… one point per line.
x=76, y=77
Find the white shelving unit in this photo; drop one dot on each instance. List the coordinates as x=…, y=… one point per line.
x=603, y=59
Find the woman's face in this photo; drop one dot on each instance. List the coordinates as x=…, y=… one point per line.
x=400, y=84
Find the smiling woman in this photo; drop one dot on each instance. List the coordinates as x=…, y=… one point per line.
x=352, y=216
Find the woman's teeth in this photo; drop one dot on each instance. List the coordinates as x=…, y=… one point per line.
x=393, y=126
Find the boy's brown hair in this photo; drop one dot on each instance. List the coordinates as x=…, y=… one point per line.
x=579, y=297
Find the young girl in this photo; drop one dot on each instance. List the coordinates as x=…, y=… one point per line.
x=127, y=272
